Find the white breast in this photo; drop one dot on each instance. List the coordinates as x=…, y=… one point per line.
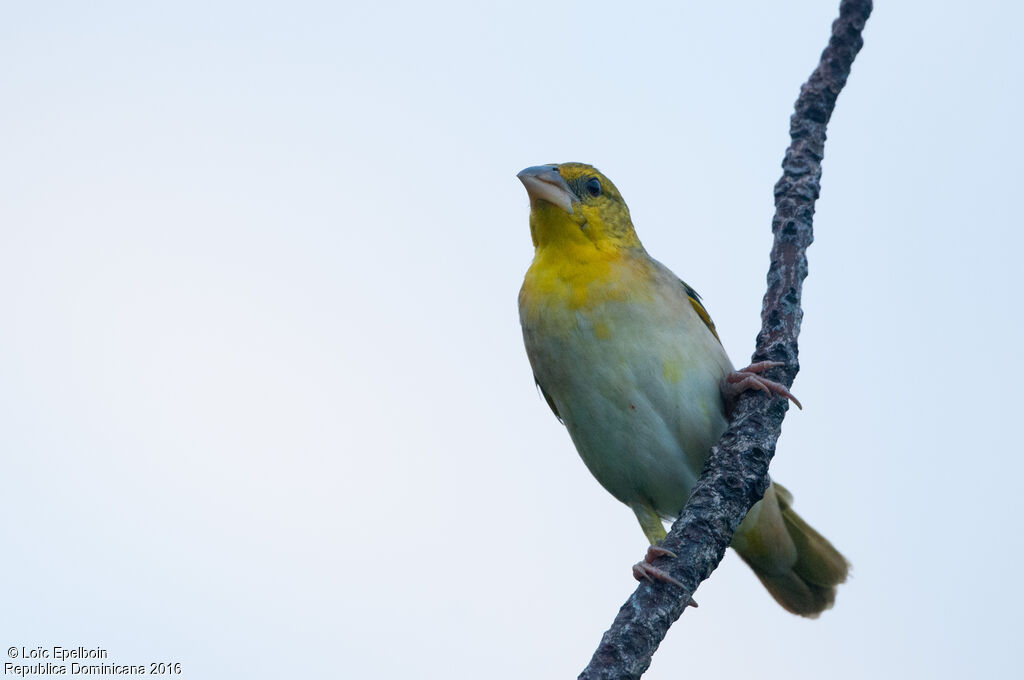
x=636, y=382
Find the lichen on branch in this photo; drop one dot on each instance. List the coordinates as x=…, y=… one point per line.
x=736, y=474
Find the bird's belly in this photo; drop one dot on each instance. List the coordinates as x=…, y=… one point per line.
x=640, y=395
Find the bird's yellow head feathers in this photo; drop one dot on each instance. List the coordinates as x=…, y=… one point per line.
x=574, y=204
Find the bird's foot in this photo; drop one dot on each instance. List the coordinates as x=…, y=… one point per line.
x=646, y=571
x=747, y=378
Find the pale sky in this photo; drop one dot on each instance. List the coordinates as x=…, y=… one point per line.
x=264, y=405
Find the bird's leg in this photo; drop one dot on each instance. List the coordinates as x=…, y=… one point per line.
x=646, y=571
x=747, y=378
x=655, y=531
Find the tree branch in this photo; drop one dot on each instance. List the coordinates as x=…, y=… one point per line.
x=736, y=474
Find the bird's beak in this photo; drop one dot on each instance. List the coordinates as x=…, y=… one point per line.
x=544, y=183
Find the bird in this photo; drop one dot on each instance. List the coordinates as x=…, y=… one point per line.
x=628, y=359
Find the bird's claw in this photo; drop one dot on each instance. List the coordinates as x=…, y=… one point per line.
x=748, y=378
x=646, y=571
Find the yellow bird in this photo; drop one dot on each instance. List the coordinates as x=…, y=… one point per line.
x=628, y=359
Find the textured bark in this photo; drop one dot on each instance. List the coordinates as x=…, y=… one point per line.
x=736, y=474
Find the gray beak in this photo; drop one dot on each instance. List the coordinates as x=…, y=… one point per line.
x=544, y=183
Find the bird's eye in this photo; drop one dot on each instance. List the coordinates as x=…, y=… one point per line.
x=593, y=186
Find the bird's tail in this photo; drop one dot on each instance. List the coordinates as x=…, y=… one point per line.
x=797, y=565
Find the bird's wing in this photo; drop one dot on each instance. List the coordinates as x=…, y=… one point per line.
x=699, y=308
x=547, y=398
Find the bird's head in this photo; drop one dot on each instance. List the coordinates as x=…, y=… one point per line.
x=574, y=204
